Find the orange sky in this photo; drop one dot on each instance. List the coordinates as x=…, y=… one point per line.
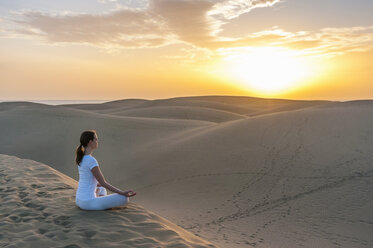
x=167, y=48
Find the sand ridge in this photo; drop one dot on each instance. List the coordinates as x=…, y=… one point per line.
x=38, y=210
x=209, y=108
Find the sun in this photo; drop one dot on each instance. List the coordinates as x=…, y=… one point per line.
x=266, y=70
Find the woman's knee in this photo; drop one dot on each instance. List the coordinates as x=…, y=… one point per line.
x=123, y=199
x=115, y=200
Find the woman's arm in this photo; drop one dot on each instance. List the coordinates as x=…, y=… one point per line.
x=100, y=178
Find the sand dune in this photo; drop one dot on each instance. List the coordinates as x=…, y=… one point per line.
x=295, y=173
x=233, y=107
x=9, y=106
x=181, y=112
x=55, y=132
x=107, y=105
x=38, y=210
x=304, y=176
x=236, y=104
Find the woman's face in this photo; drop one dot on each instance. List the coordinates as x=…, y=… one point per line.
x=94, y=143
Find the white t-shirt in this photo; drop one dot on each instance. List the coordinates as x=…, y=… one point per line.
x=87, y=181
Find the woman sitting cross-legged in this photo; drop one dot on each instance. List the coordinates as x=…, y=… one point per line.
x=90, y=176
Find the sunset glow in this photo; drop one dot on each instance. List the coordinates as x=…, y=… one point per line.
x=164, y=48
x=267, y=70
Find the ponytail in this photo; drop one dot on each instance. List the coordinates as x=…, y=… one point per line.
x=79, y=154
x=85, y=137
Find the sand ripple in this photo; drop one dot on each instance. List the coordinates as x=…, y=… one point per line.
x=38, y=210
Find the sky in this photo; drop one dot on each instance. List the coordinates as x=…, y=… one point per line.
x=153, y=49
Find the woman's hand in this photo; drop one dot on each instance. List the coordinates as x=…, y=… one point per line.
x=128, y=193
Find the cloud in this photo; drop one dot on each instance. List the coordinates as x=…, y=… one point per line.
x=325, y=42
x=162, y=22
x=193, y=22
x=127, y=28
x=229, y=9
x=107, y=1
x=334, y=41
x=185, y=18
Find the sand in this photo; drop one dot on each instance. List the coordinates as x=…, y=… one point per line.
x=236, y=171
x=38, y=210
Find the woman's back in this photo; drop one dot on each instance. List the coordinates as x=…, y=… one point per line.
x=87, y=182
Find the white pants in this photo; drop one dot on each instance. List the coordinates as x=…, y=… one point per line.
x=103, y=202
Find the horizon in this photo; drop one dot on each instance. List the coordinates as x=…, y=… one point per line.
x=55, y=102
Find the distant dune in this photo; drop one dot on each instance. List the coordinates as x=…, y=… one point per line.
x=121, y=104
x=248, y=106
x=38, y=210
x=181, y=112
x=237, y=171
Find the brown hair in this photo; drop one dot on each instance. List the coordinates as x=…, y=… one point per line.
x=85, y=137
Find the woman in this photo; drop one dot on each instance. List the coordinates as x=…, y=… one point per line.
x=90, y=175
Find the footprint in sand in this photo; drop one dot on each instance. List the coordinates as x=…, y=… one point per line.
x=62, y=221
x=9, y=189
x=24, y=214
x=25, y=200
x=43, y=194
x=42, y=231
x=89, y=233
x=72, y=246
x=62, y=188
x=22, y=194
x=15, y=218
x=46, y=214
x=36, y=186
x=35, y=206
x=50, y=235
